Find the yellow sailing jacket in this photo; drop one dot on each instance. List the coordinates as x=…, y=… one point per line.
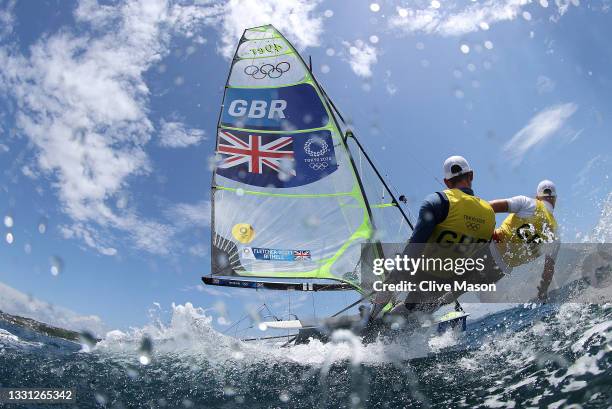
x=470, y=220
x=518, y=237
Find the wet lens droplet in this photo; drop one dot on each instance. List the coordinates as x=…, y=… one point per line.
x=8, y=221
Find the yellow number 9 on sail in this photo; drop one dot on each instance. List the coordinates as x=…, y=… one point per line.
x=243, y=232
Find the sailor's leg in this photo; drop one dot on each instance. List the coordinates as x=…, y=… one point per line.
x=417, y=308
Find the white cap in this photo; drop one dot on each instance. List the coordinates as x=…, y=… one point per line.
x=547, y=188
x=455, y=166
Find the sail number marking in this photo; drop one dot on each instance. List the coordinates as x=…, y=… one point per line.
x=269, y=48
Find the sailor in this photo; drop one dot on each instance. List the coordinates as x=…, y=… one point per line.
x=530, y=223
x=450, y=218
x=454, y=215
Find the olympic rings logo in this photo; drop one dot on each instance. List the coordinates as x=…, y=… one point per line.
x=318, y=166
x=323, y=147
x=267, y=70
x=472, y=226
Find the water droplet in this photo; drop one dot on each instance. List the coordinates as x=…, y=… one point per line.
x=88, y=341
x=471, y=67
x=402, y=12
x=459, y=94
x=101, y=398
x=145, y=350
x=366, y=87
x=132, y=373
x=424, y=63
x=8, y=221
x=375, y=7
x=42, y=226
x=527, y=15
x=488, y=45
x=435, y=4
x=420, y=46
x=544, y=3
x=457, y=74
x=353, y=50
x=287, y=169
x=330, y=52
x=122, y=202
x=464, y=48
x=312, y=221
x=57, y=265
x=229, y=391
x=284, y=396
x=240, y=191
x=27, y=248
x=328, y=13
x=179, y=81
x=262, y=326
x=325, y=69
x=9, y=238
x=222, y=260
x=374, y=39
x=483, y=25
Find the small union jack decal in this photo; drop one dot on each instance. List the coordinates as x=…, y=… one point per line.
x=301, y=255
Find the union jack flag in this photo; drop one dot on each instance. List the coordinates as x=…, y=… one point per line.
x=251, y=150
x=301, y=255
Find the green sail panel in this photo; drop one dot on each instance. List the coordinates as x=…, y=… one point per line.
x=287, y=201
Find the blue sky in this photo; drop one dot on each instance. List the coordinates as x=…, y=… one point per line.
x=108, y=113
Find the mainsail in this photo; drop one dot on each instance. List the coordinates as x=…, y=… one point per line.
x=289, y=199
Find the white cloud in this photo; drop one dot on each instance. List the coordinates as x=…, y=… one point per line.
x=539, y=129
x=563, y=6
x=185, y=214
x=7, y=20
x=4, y=148
x=291, y=17
x=361, y=56
x=199, y=250
x=15, y=302
x=545, y=84
x=89, y=236
x=82, y=101
x=451, y=21
x=176, y=135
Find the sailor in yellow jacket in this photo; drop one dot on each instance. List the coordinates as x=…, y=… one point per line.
x=447, y=220
x=530, y=223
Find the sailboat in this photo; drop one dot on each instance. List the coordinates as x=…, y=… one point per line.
x=294, y=194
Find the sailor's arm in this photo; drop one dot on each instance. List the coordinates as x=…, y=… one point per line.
x=547, y=275
x=499, y=205
x=433, y=211
x=552, y=250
